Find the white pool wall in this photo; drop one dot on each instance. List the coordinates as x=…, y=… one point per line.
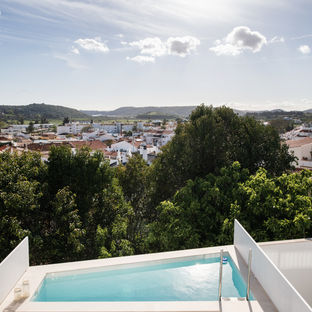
x=13, y=267
x=283, y=295
x=294, y=260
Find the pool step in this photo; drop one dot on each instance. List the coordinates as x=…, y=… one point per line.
x=239, y=305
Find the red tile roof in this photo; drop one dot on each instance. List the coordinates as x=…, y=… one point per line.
x=4, y=138
x=38, y=147
x=3, y=148
x=168, y=131
x=298, y=143
x=93, y=145
x=111, y=154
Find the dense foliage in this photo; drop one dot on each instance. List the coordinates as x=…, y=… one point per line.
x=202, y=213
x=218, y=167
x=72, y=207
x=212, y=139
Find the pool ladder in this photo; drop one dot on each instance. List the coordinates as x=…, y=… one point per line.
x=248, y=276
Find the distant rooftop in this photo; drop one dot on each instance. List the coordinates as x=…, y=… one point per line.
x=298, y=143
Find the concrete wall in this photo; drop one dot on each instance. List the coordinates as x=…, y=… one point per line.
x=13, y=267
x=283, y=295
x=302, y=151
x=294, y=259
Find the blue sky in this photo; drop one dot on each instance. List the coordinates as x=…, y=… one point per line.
x=104, y=54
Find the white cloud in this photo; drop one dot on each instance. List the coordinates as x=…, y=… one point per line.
x=244, y=38
x=93, y=44
x=141, y=59
x=150, y=46
x=277, y=39
x=120, y=35
x=304, y=49
x=123, y=42
x=75, y=51
x=155, y=47
x=226, y=49
x=241, y=38
x=182, y=46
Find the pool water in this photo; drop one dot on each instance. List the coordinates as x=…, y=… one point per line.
x=191, y=280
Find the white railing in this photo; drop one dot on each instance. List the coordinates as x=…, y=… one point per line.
x=13, y=267
x=283, y=295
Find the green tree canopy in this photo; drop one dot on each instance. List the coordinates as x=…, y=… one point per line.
x=197, y=212
x=274, y=208
x=134, y=180
x=202, y=213
x=213, y=138
x=30, y=128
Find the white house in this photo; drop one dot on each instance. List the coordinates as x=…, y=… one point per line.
x=90, y=135
x=106, y=137
x=72, y=128
x=302, y=149
x=123, y=146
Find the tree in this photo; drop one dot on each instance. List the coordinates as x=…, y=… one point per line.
x=282, y=125
x=20, y=119
x=274, y=208
x=109, y=143
x=44, y=120
x=21, y=179
x=65, y=121
x=108, y=224
x=2, y=124
x=98, y=197
x=67, y=203
x=66, y=234
x=213, y=138
x=86, y=129
x=202, y=213
x=127, y=133
x=54, y=128
x=195, y=216
x=133, y=178
x=30, y=128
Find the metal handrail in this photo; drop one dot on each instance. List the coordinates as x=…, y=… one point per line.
x=248, y=277
x=220, y=274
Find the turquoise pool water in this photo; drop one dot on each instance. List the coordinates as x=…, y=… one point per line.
x=192, y=280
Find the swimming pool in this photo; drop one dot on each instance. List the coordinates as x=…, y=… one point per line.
x=182, y=280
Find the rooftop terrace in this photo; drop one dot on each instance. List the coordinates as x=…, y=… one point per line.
x=279, y=281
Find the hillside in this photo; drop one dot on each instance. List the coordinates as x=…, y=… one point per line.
x=38, y=111
x=130, y=111
x=138, y=112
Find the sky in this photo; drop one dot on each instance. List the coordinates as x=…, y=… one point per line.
x=105, y=54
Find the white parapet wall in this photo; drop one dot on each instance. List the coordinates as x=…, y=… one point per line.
x=282, y=293
x=13, y=267
x=294, y=260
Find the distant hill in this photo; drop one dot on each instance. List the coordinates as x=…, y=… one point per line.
x=277, y=114
x=37, y=111
x=132, y=112
x=151, y=111
x=156, y=115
